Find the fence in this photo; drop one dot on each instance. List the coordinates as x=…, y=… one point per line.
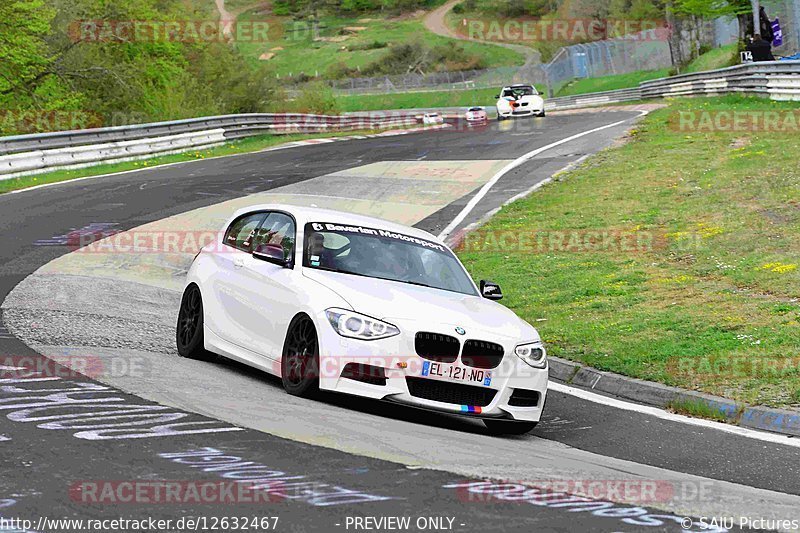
x=599, y=58
x=604, y=58
x=456, y=80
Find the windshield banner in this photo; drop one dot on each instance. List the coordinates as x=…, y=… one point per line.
x=341, y=228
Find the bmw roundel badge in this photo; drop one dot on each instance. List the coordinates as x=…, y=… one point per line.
x=460, y=330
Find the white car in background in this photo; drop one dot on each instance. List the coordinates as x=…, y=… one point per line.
x=432, y=119
x=347, y=303
x=476, y=116
x=520, y=100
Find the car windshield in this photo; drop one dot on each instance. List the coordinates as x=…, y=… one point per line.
x=517, y=92
x=382, y=254
x=476, y=109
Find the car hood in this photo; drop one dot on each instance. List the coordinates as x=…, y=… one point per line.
x=403, y=302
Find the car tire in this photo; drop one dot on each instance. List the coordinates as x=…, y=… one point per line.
x=300, y=360
x=508, y=427
x=189, y=330
x=542, y=114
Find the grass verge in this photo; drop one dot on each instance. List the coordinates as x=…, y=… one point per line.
x=611, y=83
x=372, y=102
x=724, y=56
x=696, y=281
x=250, y=144
x=697, y=409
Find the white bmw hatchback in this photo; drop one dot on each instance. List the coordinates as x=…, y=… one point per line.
x=346, y=303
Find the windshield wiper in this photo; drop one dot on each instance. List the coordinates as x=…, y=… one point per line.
x=420, y=284
x=340, y=271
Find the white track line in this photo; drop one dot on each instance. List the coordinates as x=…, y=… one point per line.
x=674, y=417
x=514, y=164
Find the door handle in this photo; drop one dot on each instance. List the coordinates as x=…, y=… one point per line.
x=238, y=262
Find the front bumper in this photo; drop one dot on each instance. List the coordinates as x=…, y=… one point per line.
x=406, y=383
x=520, y=112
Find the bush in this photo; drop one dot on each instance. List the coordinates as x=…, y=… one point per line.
x=374, y=45
x=340, y=70
x=315, y=97
x=419, y=57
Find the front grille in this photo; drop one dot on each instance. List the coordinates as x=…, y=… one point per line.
x=436, y=347
x=524, y=398
x=482, y=354
x=455, y=393
x=374, y=375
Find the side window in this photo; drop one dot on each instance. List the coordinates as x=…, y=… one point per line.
x=241, y=231
x=278, y=229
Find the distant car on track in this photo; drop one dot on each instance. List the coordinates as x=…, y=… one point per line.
x=432, y=119
x=520, y=100
x=352, y=304
x=476, y=116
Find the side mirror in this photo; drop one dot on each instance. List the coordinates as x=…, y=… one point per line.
x=491, y=290
x=271, y=253
x=497, y=97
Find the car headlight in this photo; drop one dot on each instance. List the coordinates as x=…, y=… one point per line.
x=358, y=326
x=532, y=353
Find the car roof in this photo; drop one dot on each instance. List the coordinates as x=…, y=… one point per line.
x=305, y=214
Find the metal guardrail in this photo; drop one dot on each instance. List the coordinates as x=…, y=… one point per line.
x=235, y=126
x=30, y=154
x=777, y=80
x=36, y=153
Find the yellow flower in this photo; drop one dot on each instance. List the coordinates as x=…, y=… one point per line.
x=778, y=267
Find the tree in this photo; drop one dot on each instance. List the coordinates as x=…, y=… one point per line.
x=24, y=58
x=741, y=9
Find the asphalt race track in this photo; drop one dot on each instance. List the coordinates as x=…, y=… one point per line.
x=161, y=417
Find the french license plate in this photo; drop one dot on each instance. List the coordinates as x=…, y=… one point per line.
x=460, y=373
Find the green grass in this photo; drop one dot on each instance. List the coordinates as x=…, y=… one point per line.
x=301, y=54
x=611, y=83
x=715, y=58
x=483, y=97
x=697, y=409
x=718, y=287
x=250, y=144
